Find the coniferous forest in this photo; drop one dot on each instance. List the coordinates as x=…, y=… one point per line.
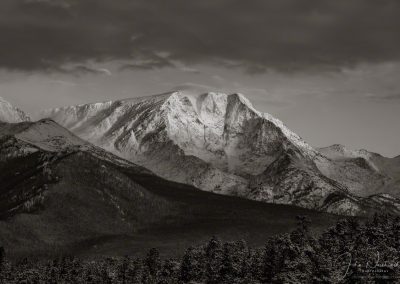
x=352, y=251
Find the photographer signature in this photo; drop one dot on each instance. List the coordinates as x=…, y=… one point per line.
x=374, y=262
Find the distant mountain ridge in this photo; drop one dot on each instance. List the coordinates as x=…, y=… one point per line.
x=221, y=143
x=362, y=171
x=9, y=113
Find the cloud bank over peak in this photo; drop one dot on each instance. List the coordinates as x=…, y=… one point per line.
x=256, y=36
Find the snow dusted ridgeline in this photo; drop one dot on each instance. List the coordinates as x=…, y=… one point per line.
x=340, y=152
x=11, y=114
x=49, y=136
x=21, y=139
x=363, y=172
x=222, y=130
x=216, y=142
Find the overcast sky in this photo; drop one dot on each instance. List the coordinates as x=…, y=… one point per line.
x=329, y=69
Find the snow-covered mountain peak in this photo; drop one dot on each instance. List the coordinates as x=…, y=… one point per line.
x=210, y=101
x=11, y=114
x=221, y=129
x=216, y=107
x=153, y=98
x=220, y=142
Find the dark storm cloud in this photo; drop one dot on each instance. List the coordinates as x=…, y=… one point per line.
x=255, y=35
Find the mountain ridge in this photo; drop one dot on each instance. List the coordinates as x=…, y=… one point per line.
x=381, y=173
x=9, y=113
x=214, y=141
x=76, y=198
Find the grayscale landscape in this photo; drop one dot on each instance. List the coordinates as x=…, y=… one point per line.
x=188, y=142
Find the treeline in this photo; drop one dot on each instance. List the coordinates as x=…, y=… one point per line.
x=349, y=252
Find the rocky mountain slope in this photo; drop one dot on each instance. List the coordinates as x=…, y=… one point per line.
x=9, y=113
x=221, y=143
x=60, y=194
x=363, y=172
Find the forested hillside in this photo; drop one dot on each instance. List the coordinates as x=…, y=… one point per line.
x=352, y=251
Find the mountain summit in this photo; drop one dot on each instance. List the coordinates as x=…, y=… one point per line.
x=165, y=132
x=219, y=143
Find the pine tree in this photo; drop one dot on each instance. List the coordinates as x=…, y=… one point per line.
x=213, y=254
x=122, y=270
x=192, y=265
x=105, y=276
x=169, y=273
x=2, y=265
x=134, y=273
x=153, y=262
